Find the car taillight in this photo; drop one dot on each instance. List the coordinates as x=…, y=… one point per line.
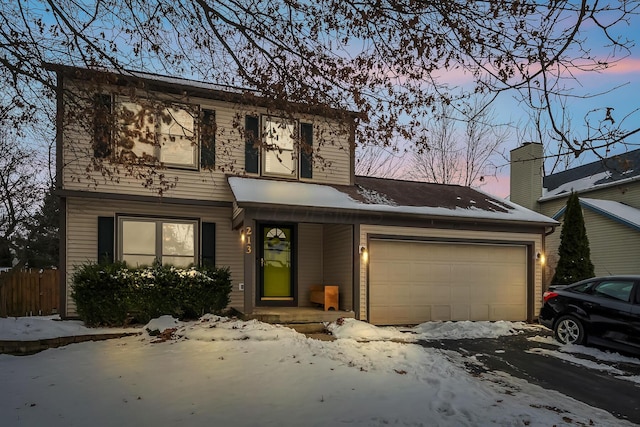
x=547, y=295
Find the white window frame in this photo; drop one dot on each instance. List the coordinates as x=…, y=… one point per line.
x=158, y=250
x=158, y=133
x=280, y=140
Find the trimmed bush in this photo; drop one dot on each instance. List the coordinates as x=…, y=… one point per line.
x=114, y=294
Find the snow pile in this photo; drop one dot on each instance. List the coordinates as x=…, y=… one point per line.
x=362, y=331
x=215, y=328
x=373, y=197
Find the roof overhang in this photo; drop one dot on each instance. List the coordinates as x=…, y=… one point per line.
x=278, y=194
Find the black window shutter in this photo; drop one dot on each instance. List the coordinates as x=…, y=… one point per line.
x=208, y=139
x=208, y=254
x=251, y=144
x=106, y=239
x=306, y=150
x=102, y=125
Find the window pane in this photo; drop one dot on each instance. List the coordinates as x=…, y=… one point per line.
x=177, y=150
x=279, y=134
x=280, y=142
x=617, y=290
x=137, y=131
x=138, y=260
x=138, y=237
x=176, y=137
x=177, y=261
x=177, y=121
x=178, y=239
x=279, y=163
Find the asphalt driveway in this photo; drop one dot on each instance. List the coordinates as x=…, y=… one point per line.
x=522, y=358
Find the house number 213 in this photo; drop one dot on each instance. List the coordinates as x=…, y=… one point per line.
x=248, y=233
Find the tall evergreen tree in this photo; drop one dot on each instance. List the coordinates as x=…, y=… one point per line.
x=575, y=257
x=40, y=249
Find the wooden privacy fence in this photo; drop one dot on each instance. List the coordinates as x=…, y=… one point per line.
x=30, y=292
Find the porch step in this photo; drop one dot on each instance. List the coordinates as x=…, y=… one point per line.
x=296, y=315
x=306, y=328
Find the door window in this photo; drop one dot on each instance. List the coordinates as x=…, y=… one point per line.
x=617, y=289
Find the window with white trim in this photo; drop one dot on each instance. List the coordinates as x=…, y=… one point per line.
x=157, y=132
x=279, y=153
x=144, y=240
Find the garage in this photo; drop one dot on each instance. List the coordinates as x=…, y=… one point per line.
x=411, y=282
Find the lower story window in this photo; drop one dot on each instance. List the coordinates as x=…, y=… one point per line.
x=172, y=242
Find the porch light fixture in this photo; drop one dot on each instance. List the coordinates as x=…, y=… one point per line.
x=540, y=257
x=364, y=253
x=242, y=238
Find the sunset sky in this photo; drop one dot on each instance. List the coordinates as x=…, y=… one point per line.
x=625, y=100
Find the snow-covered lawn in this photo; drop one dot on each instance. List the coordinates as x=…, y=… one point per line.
x=220, y=371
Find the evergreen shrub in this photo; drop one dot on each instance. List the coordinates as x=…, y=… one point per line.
x=114, y=294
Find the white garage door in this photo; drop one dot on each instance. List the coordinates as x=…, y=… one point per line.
x=415, y=282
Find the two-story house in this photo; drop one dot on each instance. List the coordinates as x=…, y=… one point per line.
x=609, y=193
x=273, y=195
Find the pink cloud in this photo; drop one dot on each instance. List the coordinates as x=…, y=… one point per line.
x=624, y=66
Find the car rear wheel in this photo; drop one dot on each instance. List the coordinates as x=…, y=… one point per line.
x=569, y=330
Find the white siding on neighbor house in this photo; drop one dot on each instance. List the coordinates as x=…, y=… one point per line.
x=81, y=238
x=427, y=233
x=338, y=261
x=202, y=185
x=309, y=260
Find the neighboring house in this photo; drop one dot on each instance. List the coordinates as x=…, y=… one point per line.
x=609, y=193
x=401, y=252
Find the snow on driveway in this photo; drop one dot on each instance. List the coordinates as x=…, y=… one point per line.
x=220, y=371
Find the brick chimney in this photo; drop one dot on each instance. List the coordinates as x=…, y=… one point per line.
x=526, y=175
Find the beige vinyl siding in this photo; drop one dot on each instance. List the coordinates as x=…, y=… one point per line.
x=82, y=235
x=330, y=139
x=309, y=260
x=334, y=163
x=424, y=233
x=614, y=246
x=338, y=261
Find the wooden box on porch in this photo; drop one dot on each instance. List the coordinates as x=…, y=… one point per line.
x=327, y=295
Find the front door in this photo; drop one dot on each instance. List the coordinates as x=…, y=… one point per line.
x=276, y=265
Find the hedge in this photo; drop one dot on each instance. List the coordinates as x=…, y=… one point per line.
x=115, y=295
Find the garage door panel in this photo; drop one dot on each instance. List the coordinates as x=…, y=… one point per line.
x=506, y=312
x=440, y=312
x=460, y=312
x=421, y=281
x=479, y=312
x=440, y=295
x=460, y=294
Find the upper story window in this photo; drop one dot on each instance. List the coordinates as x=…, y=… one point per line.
x=157, y=132
x=279, y=157
x=278, y=147
x=165, y=133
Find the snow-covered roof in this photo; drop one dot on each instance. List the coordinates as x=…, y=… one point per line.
x=614, y=170
x=384, y=196
x=619, y=212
